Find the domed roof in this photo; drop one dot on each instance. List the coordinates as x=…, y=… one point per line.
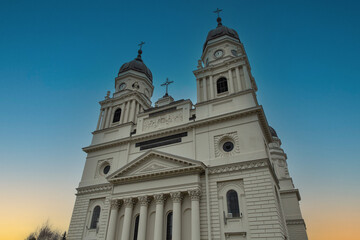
x=137, y=65
x=273, y=132
x=220, y=31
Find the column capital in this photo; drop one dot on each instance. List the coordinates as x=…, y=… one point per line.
x=195, y=194
x=144, y=200
x=115, y=204
x=159, y=198
x=176, y=196
x=129, y=202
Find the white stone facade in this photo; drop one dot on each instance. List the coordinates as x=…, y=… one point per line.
x=213, y=170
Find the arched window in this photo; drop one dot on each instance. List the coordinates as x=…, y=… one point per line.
x=221, y=85
x=117, y=115
x=95, y=217
x=169, y=221
x=233, y=203
x=136, y=227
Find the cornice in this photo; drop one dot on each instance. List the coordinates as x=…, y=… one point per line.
x=240, y=166
x=291, y=191
x=249, y=111
x=227, y=63
x=113, y=127
x=295, y=222
x=127, y=95
x=94, y=188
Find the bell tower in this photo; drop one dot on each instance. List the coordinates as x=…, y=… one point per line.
x=224, y=72
x=133, y=91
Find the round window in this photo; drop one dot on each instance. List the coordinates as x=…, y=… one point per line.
x=106, y=169
x=228, y=146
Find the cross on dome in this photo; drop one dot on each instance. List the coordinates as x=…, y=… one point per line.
x=219, y=18
x=141, y=44
x=167, y=83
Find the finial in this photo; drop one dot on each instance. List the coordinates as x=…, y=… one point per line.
x=219, y=18
x=140, y=51
x=167, y=83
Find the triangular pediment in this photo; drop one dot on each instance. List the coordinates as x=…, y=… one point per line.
x=155, y=164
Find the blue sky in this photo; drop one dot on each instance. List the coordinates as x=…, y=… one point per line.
x=58, y=59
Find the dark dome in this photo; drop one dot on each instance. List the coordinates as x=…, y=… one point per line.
x=273, y=132
x=220, y=31
x=137, y=65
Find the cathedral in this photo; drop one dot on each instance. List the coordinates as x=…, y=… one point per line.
x=176, y=170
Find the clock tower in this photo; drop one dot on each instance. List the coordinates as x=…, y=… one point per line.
x=133, y=91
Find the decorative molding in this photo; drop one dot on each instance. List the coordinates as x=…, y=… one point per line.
x=92, y=189
x=176, y=197
x=295, y=222
x=115, y=204
x=144, y=200
x=195, y=194
x=239, y=166
x=129, y=202
x=100, y=165
x=291, y=191
x=159, y=198
x=219, y=140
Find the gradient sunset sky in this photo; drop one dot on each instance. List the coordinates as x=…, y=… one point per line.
x=58, y=59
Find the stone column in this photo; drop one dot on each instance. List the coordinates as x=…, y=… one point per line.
x=122, y=107
x=115, y=204
x=126, y=111
x=128, y=204
x=238, y=78
x=159, y=216
x=104, y=119
x=231, y=82
x=132, y=111
x=198, y=90
x=109, y=117
x=195, y=214
x=99, y=121
x=247, y=77
x=144, y=201
x=204, y=89
x=176, y=199
x=212, y=93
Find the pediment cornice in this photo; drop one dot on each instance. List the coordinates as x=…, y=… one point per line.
x=154, y=165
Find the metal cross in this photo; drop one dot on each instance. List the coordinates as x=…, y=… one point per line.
x=140, y=44
x=167, y=83
x=218, y=11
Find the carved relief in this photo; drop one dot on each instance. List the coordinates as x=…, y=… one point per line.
x=144, y=200
x=115, y=204
x=163, y=121
x=129, y=202
x=194, y=194
x=219, y=140
x=159, y=198
x=176, y=197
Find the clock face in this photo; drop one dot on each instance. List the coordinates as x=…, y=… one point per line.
x=234, y=52
x=122, y=86
x=218, y=53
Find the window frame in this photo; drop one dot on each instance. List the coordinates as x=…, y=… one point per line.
x=233, y=204
x=94, y=222
x=222, y=85
x=168, y=227
x=118, y=112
